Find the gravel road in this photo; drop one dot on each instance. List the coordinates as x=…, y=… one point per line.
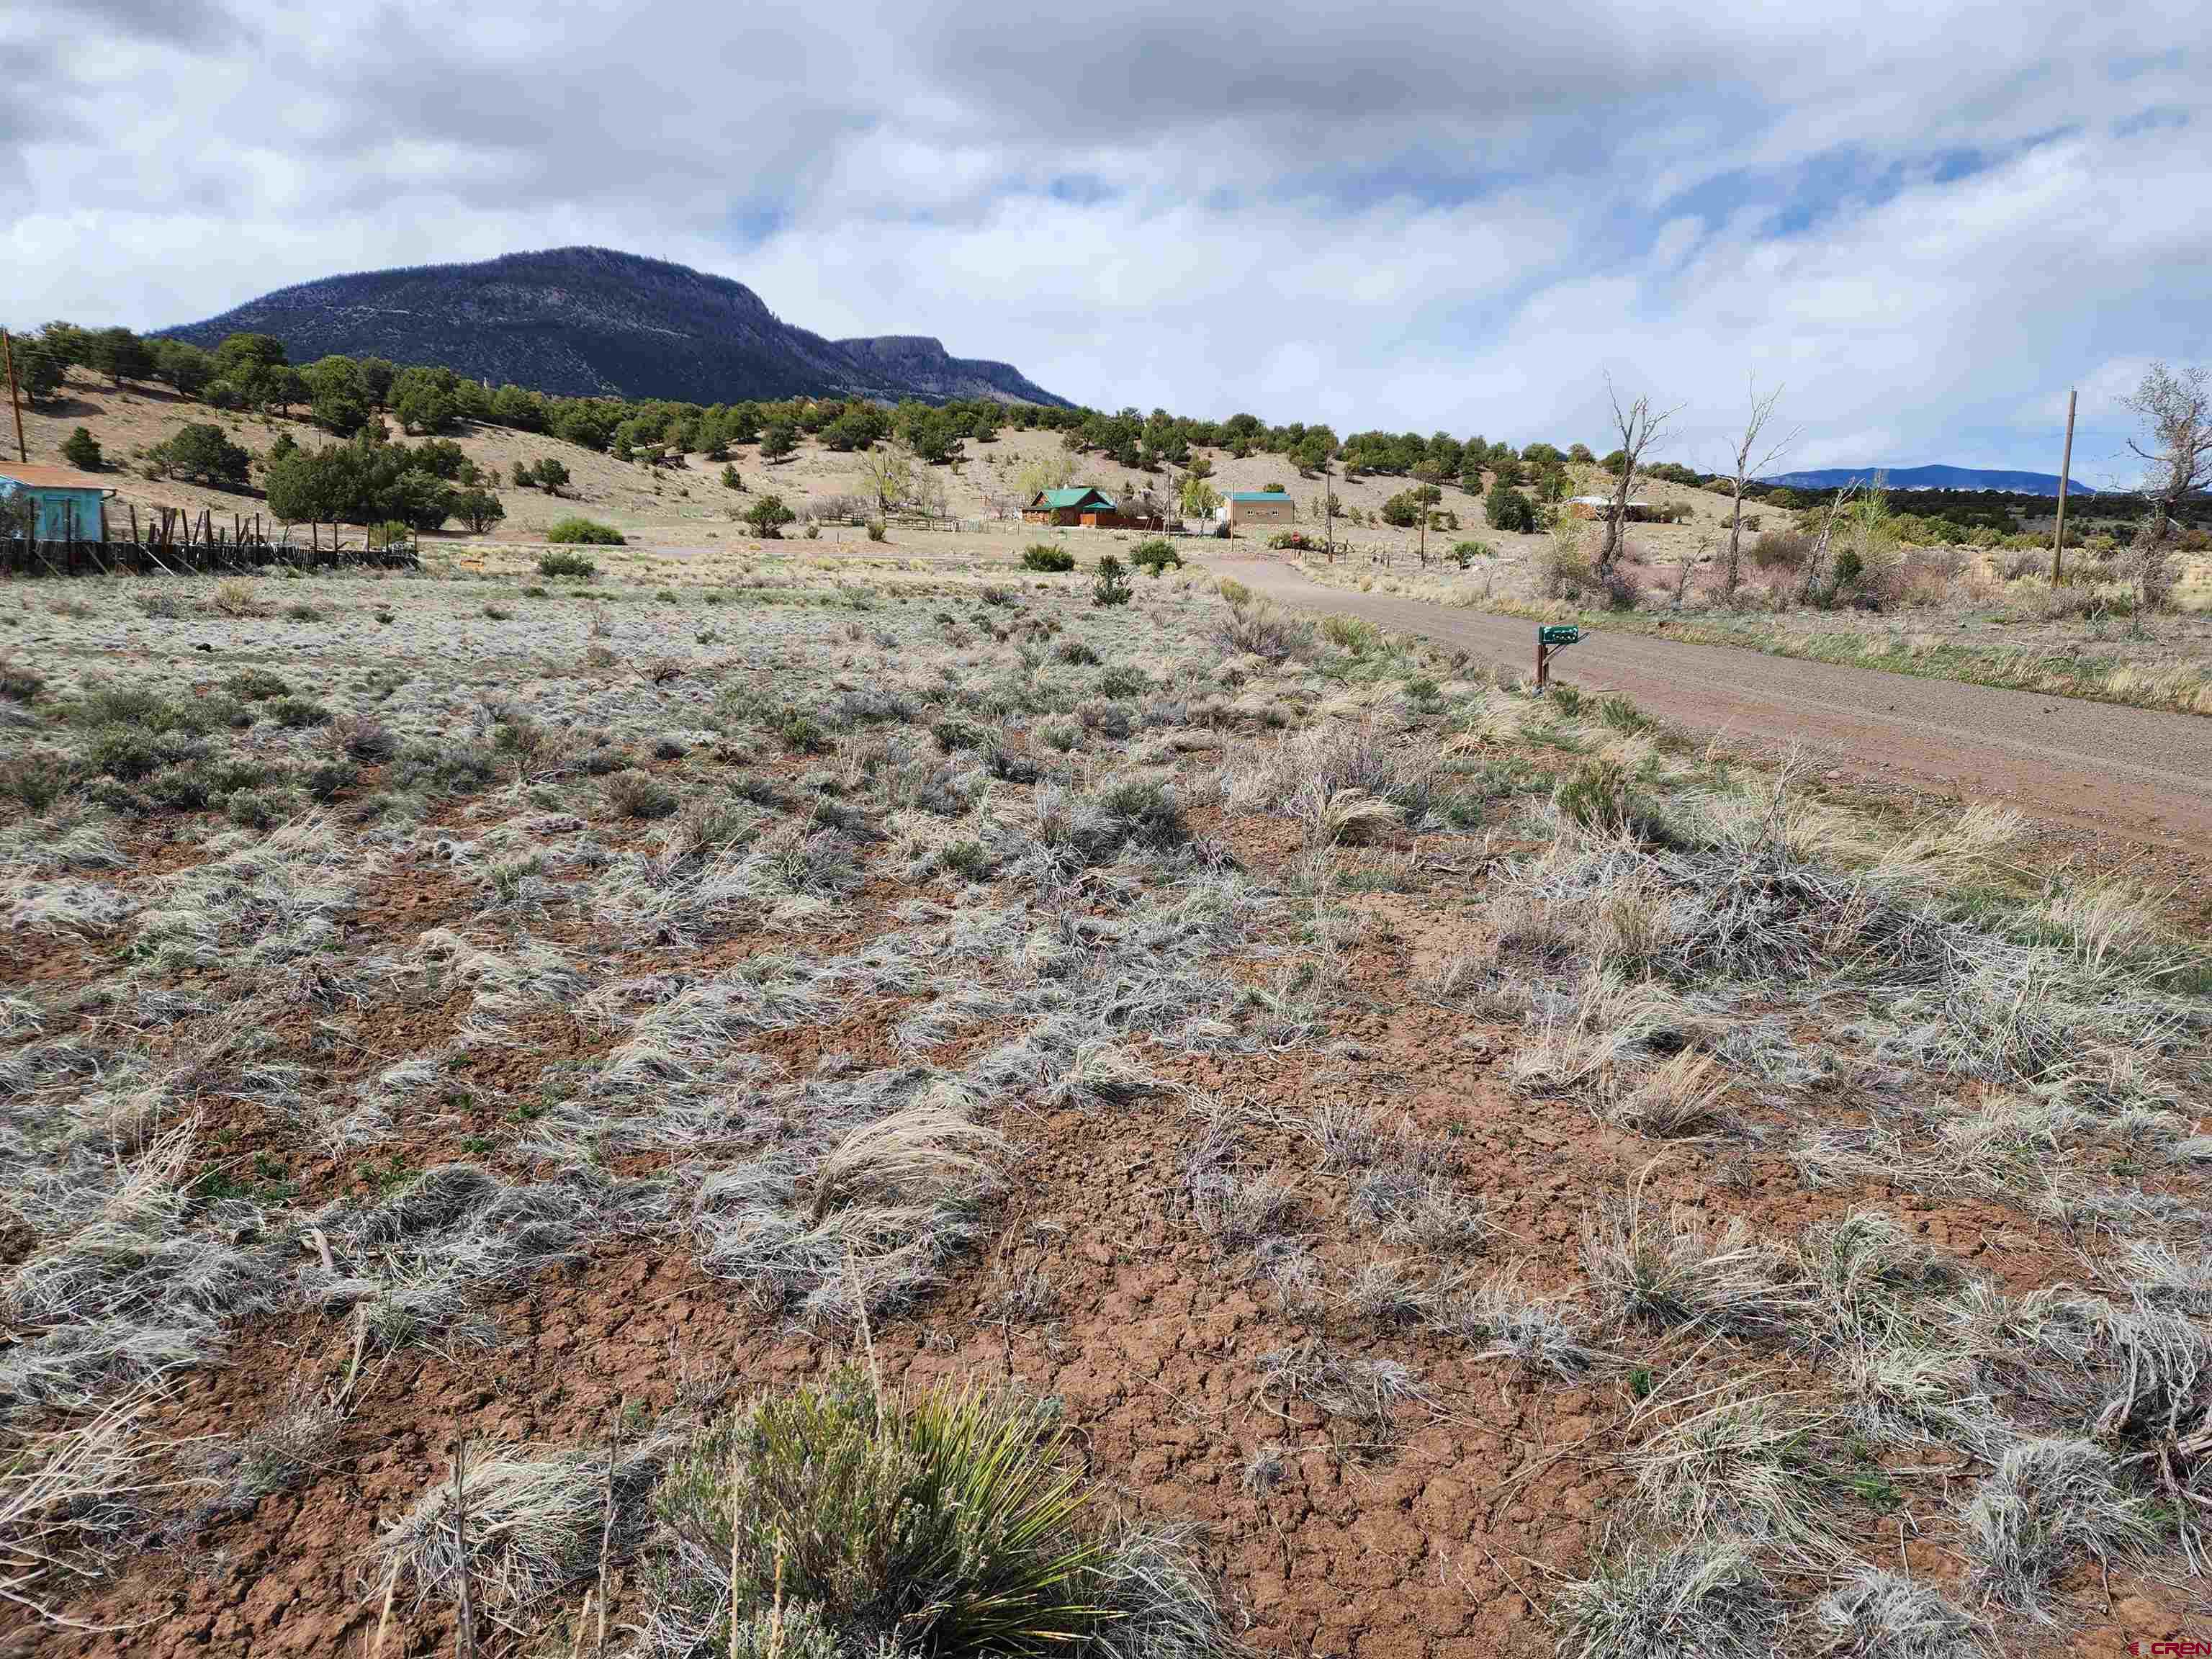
x=2141, y=775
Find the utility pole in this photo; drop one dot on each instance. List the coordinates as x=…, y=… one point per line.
x=2065, y=466
x=14, y=397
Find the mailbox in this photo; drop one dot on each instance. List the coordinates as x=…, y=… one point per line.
x=1550, y=637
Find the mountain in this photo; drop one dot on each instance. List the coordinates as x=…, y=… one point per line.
x=1932, y=477
x=581, y=320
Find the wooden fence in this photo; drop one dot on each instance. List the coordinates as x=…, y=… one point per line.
x=175, y=543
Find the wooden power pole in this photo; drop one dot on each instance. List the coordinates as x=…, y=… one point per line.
x=2065, y=466
x=14, y=397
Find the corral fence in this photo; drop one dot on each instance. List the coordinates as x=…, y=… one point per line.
x=174, y=543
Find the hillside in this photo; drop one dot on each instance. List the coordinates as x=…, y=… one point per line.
x=1932, y=477
x=581, y=320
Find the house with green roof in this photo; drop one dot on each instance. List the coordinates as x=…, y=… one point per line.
x=1083, y=504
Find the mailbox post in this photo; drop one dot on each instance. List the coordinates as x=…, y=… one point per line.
x=1555, y=636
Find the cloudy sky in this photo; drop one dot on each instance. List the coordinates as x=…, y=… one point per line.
x=1926, y=221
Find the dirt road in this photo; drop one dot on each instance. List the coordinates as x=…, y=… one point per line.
x=2134, y=774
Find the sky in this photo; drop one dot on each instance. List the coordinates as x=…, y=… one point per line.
x=1922, y=222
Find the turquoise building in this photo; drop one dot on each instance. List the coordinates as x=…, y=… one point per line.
x=68, y=502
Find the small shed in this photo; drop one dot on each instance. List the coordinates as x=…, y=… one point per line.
x=1258, y=506
x=68, y=502
x=1085, y=505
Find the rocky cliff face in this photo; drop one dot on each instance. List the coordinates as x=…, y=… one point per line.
x=583, y=320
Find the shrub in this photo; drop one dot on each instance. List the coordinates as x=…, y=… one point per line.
x=951, y=734
x=951, y=1518
x=586, y=532
x=1112, y=586
x=573, y=565
x=1781, y=550
x=365, y=739
x=1122, y=681
x=295, y=714
x=1265, y=632
x=1296, y=541
x=81, y=451
x=328, y=779
x=802, y=734
x=638, y=795
x=768, y=517
x=36, y=781
x=1075, y=653
x=478, y=508
x=249, y=809
x=1044, y=556
x=21, y=684
x=236, y=599
x=1465, y=553
x=162, y=605
x=128, y=753
x=1156, y=554
x=302, y=613
x=968, y=859
x=1595, y=795
x=1507, y=508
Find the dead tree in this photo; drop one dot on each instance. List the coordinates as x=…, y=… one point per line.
x=1638, y=427
x=2176, y=410
x=1762, y=412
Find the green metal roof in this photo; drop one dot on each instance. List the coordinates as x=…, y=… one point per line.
x=1076, y=497
x=1259, y=495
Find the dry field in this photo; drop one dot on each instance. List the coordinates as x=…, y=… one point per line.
x=1963, y=620
x=1461, y=1175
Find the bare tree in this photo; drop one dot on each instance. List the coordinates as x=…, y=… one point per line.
x=1638, y=427
x=2176, y=410
x=1762, y=412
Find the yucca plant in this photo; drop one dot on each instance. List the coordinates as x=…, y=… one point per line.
x=947, y=1524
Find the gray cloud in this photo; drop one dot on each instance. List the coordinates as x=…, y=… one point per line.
x=1402, y=213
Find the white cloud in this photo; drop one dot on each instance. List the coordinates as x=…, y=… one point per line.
x=1410, y=213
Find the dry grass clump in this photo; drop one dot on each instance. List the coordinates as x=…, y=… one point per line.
x=1546, y=1336
x=72, y=1502
x=1260, y=631
x=1367, y=1391
x=928, y=1148
x=279, y=1451
x=1234, y=1211
x=535, y=1519
x=1879, y=1615
x=419, y=1263
x=1741, y=1468
x=1691, y=1601
x=133, y=1277
x=1678, y=1271
x=2047, y=1503
x=1343, y=780
x=1590, y=1035
x=1102, y=1073
x=1681, y=1097
x=868, y=1220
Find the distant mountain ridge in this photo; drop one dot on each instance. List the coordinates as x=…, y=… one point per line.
x=580, y=321
x=1931, y=477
